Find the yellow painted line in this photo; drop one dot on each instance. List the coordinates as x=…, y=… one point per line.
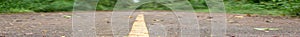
x=139, y=28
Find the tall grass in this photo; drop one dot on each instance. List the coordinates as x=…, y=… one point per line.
x=267, y=7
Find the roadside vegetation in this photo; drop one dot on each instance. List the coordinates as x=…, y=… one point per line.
x=264, y=7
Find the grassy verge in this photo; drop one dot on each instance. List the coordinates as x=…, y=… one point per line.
x=264, y=7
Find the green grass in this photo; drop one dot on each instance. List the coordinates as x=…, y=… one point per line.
x=264, y=7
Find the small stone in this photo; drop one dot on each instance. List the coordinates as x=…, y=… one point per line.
x=28, y=33
x=107, y=21
x=2, y=36
x=151, y=24
x=19, y=20
x=268, y=21
x=275, y=36
x=52, y=24
x=232, y=22
x=33, y=19
x=209, y=17
x=8, y=27
x=179, y=17
x=230, y=35
x=80, y=30
x=32, y=26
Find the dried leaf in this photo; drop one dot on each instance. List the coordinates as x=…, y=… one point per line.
x=130, y=17
x=44, y=31
x=156, y=20
x=67, y=16
x=42, y=15
x=249, y=15
x=273, y=28
x=267, y=31
x=61, y=13
x=263, y=29
x=239, y=16
x=63, y=36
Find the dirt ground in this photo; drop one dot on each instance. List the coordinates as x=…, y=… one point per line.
x=55, y=25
